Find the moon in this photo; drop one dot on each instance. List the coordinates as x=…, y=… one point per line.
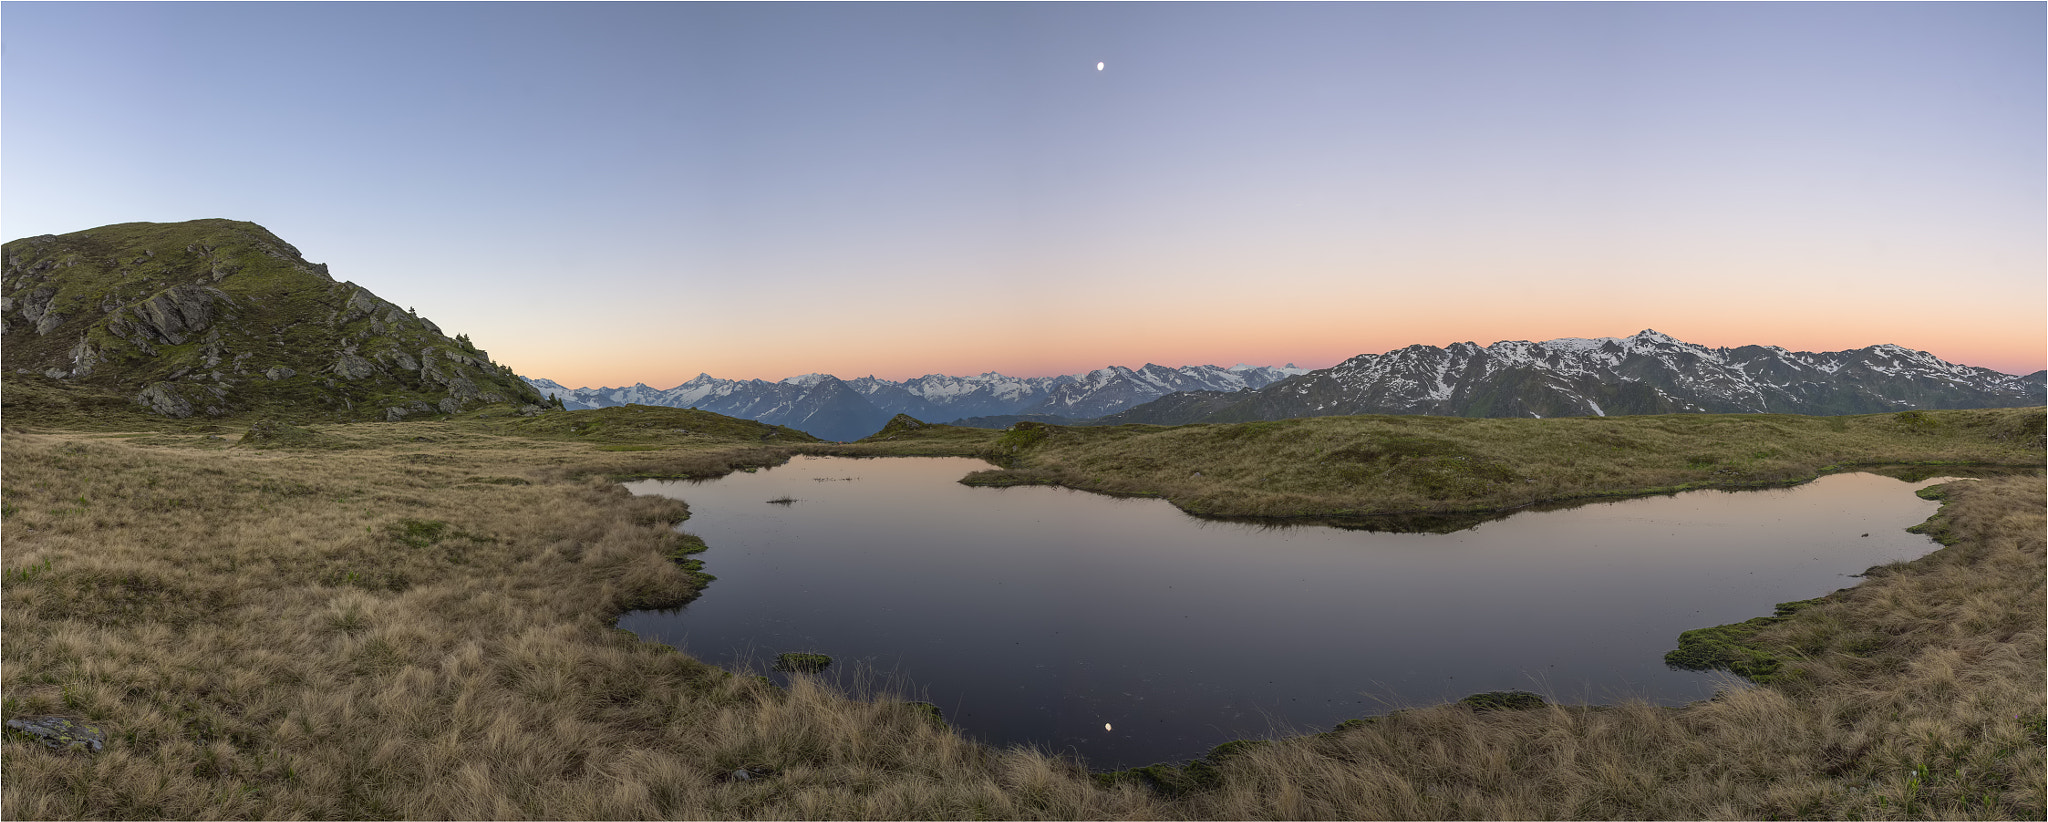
x=1098, y=66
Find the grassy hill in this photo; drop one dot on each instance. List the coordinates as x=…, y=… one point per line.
x=218, y=318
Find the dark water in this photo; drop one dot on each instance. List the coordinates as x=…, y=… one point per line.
x=1131, y=633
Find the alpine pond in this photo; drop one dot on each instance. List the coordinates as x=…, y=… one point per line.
x=1130, y=633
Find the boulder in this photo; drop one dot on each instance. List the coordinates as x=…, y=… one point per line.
x=62, y=733
x=163, y=398
x=351, y=367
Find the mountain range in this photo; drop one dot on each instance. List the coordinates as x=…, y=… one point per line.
x=1648, y=373
x=828, y=407
x=217, y=318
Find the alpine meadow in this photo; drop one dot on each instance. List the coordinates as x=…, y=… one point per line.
x=339, y=586
x=1049, y=411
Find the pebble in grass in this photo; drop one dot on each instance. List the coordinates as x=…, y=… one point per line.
x=62, y=734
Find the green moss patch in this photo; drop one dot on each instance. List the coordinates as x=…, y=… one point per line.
x=801, y=662
x=1730, y=648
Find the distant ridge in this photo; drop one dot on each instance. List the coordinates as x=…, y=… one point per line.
x=218, y=318
x=826, y=406
x=1647, y=373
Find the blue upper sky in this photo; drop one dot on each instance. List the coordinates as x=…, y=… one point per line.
x=610, y=193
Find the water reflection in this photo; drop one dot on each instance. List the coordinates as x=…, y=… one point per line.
x=1132, y=633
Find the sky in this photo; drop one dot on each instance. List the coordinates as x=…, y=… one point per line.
x=604, y=194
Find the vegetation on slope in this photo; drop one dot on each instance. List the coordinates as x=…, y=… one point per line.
x=217, y=318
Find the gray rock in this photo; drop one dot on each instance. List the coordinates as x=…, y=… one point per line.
x=61, y=733
x=177, y=313
x=460, y=388
x=280, y=373
x=399, y=358
x=399, y=412
x=162, y=398
x=38, y=303
x=352, y=367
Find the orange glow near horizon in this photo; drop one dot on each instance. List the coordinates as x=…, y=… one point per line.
x=1313, y=347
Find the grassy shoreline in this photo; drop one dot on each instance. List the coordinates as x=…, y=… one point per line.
x=416, y=620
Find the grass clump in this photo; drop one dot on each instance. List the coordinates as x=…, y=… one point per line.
x=276, y=434
x=1503, y=701
x=797, y=662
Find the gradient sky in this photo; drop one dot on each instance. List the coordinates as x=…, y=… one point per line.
x=608, y=194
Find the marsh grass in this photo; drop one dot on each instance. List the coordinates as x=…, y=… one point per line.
x=415, y=620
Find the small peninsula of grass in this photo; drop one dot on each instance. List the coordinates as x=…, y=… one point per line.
x=1366, y=468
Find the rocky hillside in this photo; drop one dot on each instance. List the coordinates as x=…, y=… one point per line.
x=216, y=318
x=1648, y=373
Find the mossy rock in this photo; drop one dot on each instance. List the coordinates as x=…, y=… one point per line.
x=61, y=733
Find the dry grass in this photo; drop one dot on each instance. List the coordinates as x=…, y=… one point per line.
x=402, y=627
x=1916, y=695
x=415, y=621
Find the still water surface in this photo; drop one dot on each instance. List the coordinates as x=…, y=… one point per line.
x=1132, y=633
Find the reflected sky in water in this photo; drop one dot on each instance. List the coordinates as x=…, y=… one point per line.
x=1131, y=633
